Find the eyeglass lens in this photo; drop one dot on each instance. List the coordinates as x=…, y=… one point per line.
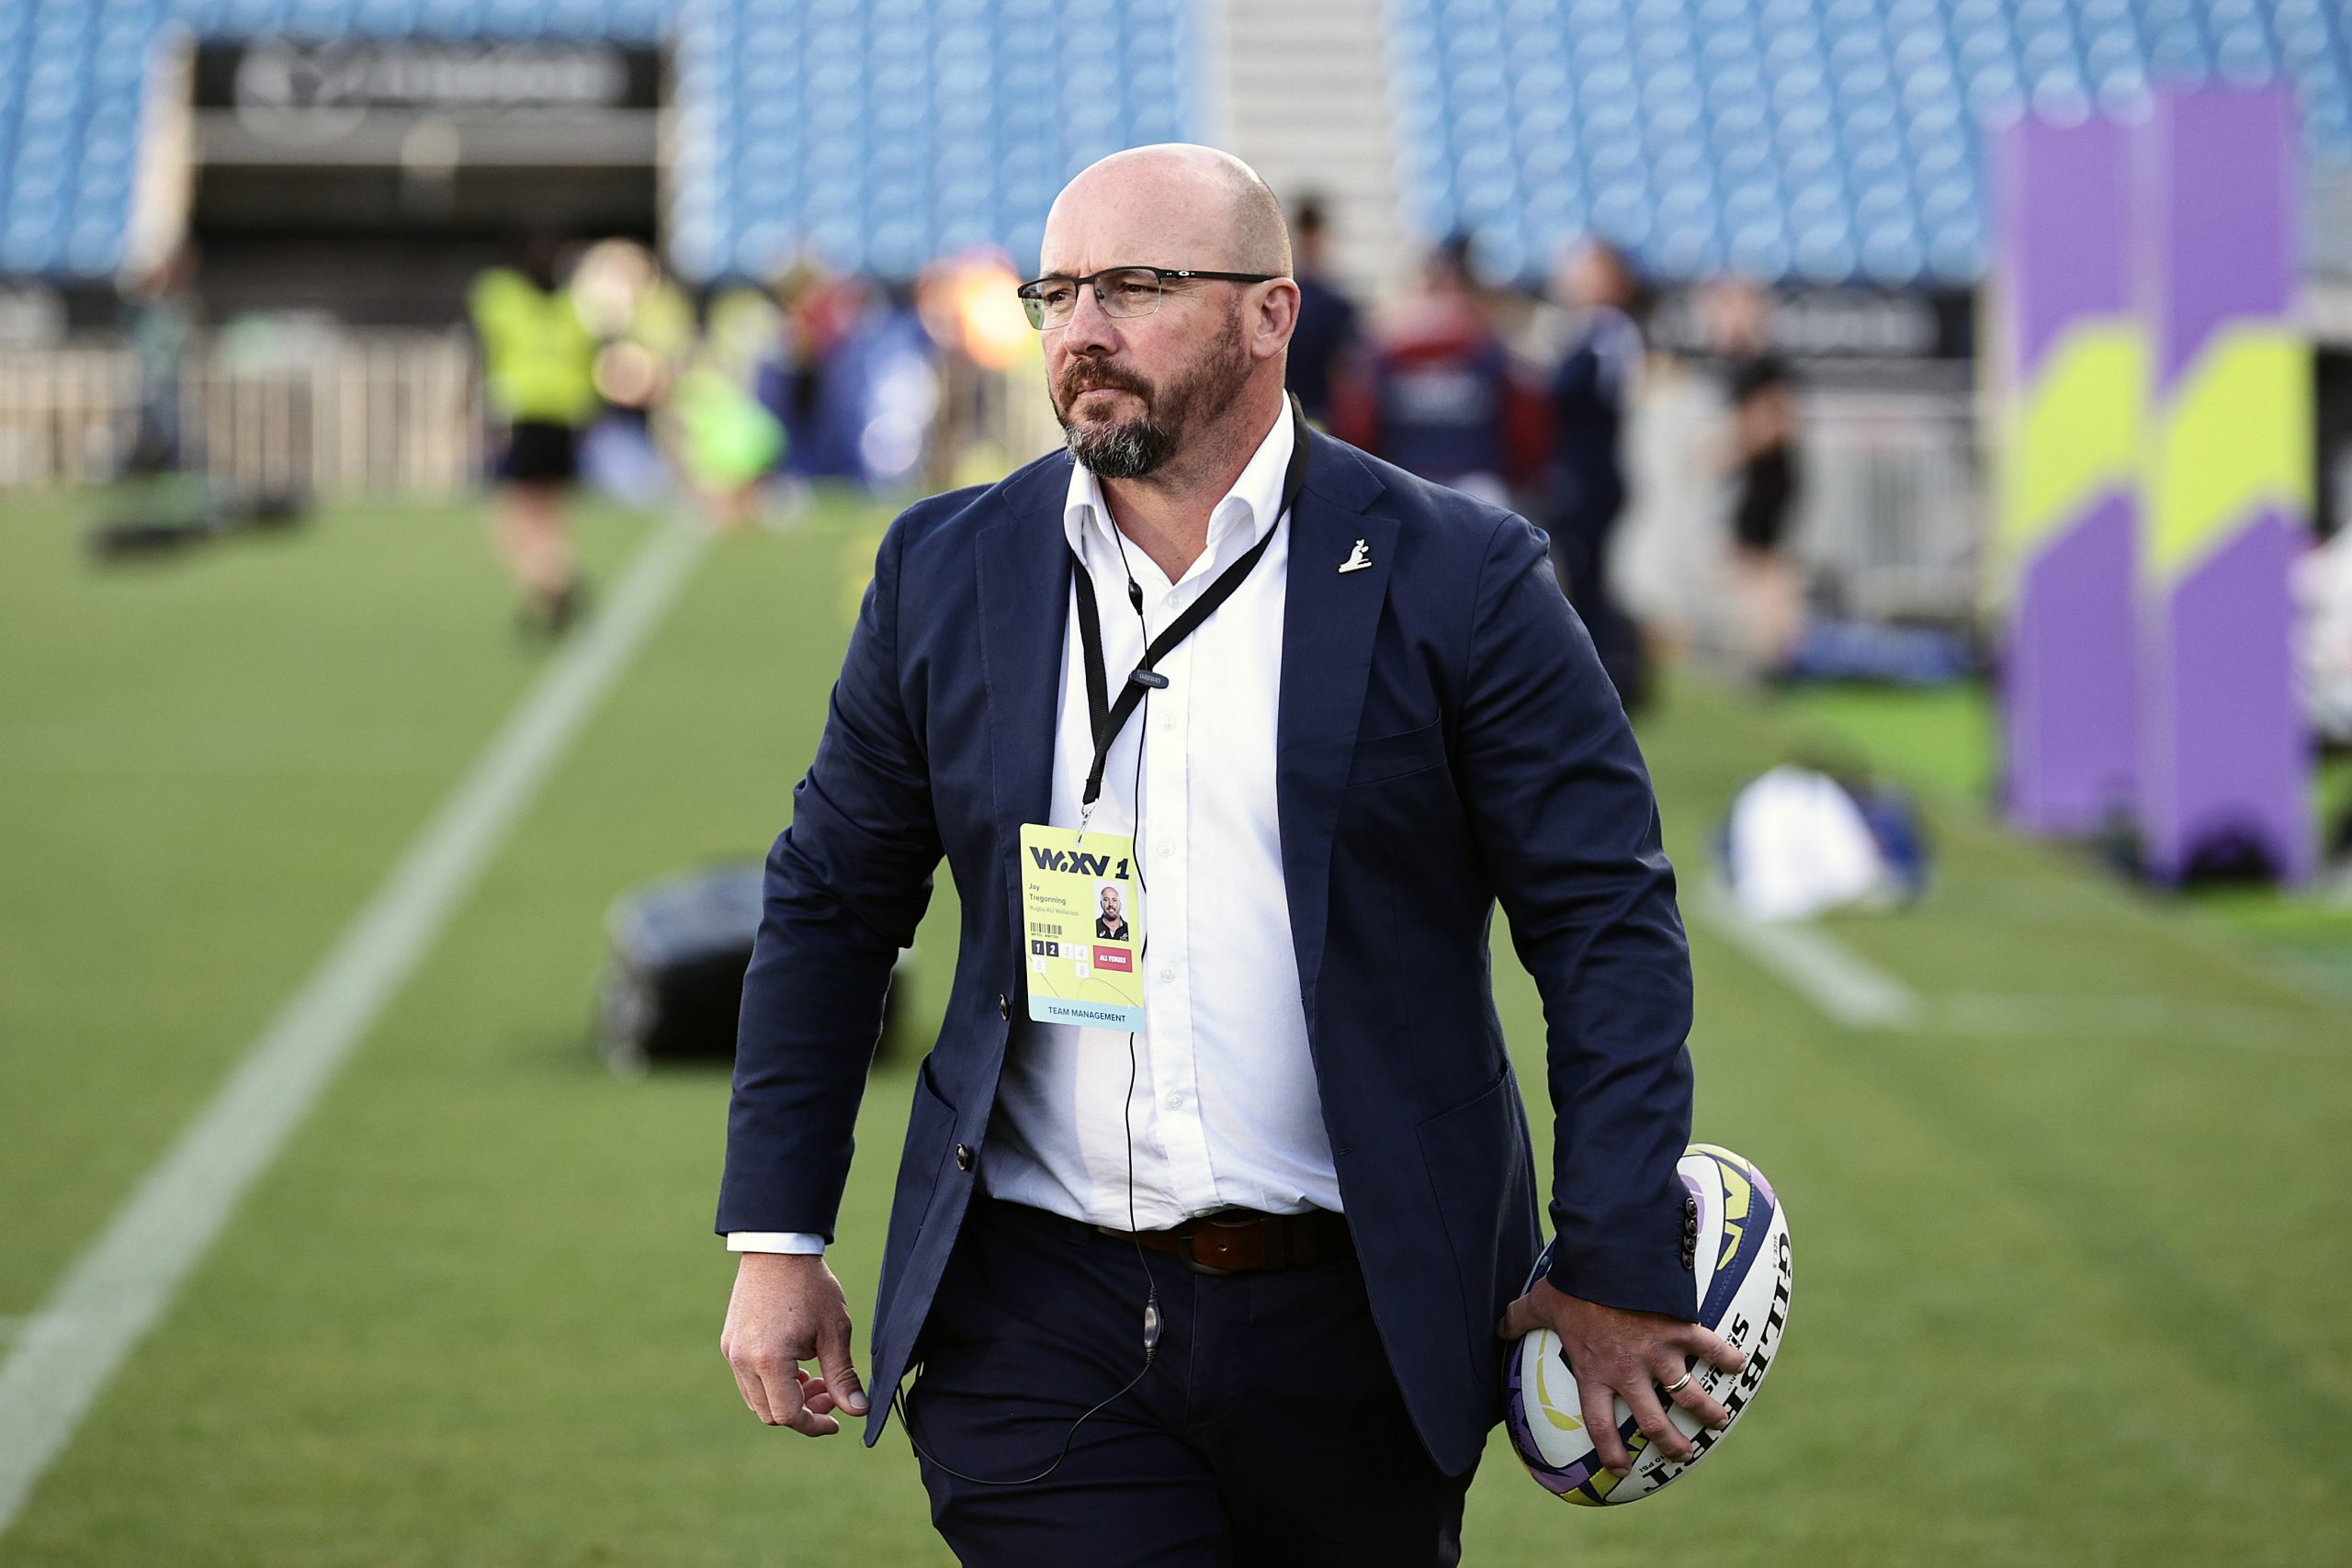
x=1124, y=292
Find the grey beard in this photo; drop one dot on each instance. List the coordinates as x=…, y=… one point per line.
x=1124, y=451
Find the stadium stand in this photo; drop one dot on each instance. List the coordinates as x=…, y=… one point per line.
x=72, y=74
x=881, y=134
x=1818, y=141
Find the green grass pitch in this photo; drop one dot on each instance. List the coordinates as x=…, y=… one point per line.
x=2068, y=1253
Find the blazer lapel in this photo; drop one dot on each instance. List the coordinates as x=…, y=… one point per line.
x=1023, y=566
x=1330, y=618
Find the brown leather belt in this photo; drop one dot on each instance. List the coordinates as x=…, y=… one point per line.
x=1243, y=1241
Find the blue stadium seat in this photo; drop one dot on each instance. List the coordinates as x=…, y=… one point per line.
x=930, y=123
x=1787, y=137
x=1873, y=112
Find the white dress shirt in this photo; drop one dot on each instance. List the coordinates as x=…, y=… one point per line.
x=1225, y=1111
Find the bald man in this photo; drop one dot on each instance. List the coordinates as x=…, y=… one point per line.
x=1208, y=1255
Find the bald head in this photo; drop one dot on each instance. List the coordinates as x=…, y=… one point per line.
x=1180, y=392
x=1172, y=205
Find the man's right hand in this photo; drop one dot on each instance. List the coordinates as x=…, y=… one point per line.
x=787, y=1309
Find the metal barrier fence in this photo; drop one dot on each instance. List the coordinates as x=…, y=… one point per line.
x=1890, y=520
x=1890, y=517
x=352, y=414
x=67, y=415
x=1891, y=523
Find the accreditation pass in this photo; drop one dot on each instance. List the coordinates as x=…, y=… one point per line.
x=1084, y=918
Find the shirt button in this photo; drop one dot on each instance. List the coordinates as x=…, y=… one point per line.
x=1167, y=971
x=1166, y=849
x=1003, y=1008
x=1175, y=1102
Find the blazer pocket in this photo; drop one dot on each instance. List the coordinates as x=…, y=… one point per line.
x=1469, y=1152
x=1393, y=756
x=930, y=1137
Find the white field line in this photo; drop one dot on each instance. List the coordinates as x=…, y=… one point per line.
x=2139, y=1020
x=117, y=1288
x=1813, y=963
x=1844, y=987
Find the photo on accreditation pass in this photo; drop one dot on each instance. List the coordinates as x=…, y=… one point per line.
x=1111, y=923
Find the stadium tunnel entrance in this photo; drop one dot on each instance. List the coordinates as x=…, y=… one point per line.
x=370, y=180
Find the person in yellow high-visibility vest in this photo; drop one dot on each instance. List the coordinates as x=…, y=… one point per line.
x=538, y=376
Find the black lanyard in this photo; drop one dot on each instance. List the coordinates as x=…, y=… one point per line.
x=1108, y=717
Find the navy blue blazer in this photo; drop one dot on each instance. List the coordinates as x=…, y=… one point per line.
x=1445, y=739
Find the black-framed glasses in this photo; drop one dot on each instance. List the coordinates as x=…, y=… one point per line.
x=1122, y=291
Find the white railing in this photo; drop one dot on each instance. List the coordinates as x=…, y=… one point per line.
x=373, y=413
x=1889, y=518
x=1889, y=522
x=1892, y=522
x=67, y=415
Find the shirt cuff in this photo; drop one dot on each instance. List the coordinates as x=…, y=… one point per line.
x=801, y=1243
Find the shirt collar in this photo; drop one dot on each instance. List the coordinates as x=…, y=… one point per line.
x=1248, y=509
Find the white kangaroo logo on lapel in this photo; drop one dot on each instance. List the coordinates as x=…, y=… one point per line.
x=1358, y=559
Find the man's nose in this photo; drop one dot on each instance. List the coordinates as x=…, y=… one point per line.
x=1090, y=329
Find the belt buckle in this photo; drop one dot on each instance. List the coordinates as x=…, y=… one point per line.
x=1190, y=1256
x=1179, y=1245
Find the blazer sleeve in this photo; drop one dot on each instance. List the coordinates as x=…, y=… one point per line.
x=1566, y=821
x=847, y=883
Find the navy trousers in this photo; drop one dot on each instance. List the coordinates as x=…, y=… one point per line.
x=1269, y=1429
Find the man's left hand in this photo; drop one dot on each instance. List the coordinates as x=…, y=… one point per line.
x=1629, y=1355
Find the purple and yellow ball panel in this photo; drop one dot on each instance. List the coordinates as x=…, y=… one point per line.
x=2225, y=758
x=1525, y=1403
x=1565, y=1481
x=1735, y=1237
x=2071, y=363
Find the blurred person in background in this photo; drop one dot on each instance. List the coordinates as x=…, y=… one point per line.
x=1329, y=333
x=967, y=308
x=855, y=383
x=726, y=441
x=801, y=384
x=644, y=327
x=1758, y=459
x=162, y=315
x=1441, y=397
x=538, y=372
x=895, y=388
x=1585, y=492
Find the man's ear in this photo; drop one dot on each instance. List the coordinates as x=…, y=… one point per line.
x=1277, y=318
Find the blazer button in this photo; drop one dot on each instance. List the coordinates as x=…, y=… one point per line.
x=963, y=1156
x=1003, y=1008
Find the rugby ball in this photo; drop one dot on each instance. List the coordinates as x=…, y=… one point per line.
x=1741, y=1268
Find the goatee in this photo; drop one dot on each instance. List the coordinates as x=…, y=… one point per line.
x=1128, y=450
x=1131, y=448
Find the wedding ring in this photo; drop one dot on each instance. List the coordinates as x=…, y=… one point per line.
x=1678, y=1385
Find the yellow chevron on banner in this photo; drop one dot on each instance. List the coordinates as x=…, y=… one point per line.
x=2235, y=438
x=2074, y=434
